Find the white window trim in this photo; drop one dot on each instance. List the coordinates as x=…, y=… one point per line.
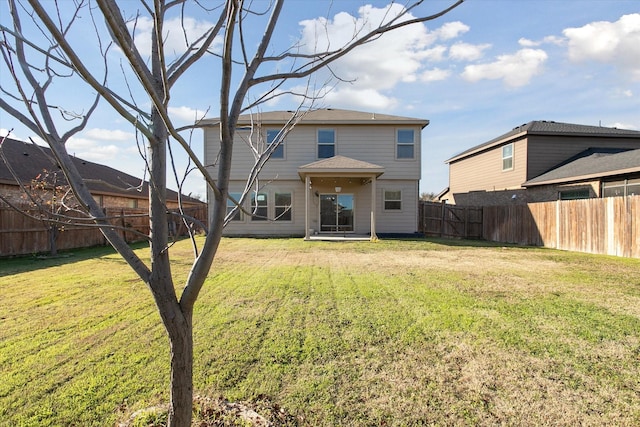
x=513, y=148
x=384, y=200
x=335, y=142
x=275, y=206
x=414, y=145
x=258, y=218
x=243, y=217
x=283, y=144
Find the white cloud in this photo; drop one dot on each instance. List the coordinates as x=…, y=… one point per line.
x=620, y=125
x=516, y=70
x=177, y=32
x=435, y=54
x=7, y=132
x=528, y=43
x=375, y=68
x=467, y=52
x=616, y=43
x=547, y=40
x=186, y=114
x=367, y=99
x=89, y=149
x=435, y=74
x=109, y=135
x=451, y=30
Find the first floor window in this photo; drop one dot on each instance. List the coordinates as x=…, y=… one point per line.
x=237, y=216
x=392, y=200
x=259, y=207
x=272, y=135
x=581, y=193
x=624, y=187
x=507, y=157
x=283, y=206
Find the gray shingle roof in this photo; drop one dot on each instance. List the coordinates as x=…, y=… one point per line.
x=340, y=164
x=327, y=116
x=593, y=164
x=544, y=127
x=29, y=160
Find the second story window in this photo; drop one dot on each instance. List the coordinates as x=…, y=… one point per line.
x=326, y=143
x=507, y=157
x=405, y=144
x=272, y=135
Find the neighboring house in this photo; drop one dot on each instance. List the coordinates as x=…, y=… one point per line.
x=543, y=161
x=336, y=172
x=110, y=187
x=592, y=173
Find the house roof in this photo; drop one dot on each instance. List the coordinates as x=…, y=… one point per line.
x=590, y=164
x=326, y=116
x=340, y=165
x=29, y=160
x=544, y=127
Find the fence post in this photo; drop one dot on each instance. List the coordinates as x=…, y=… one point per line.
x=443, y=213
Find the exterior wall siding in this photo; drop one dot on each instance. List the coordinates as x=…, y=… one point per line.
x=403, y=221
x=375, y=144
x=483, y=171
x=546, y=152
x=406, y=219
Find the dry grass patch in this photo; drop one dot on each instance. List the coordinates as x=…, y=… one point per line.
x=392, y=333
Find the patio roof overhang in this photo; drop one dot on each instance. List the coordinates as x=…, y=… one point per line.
x=340, y=166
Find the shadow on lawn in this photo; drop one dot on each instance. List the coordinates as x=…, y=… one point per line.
x=24, y=263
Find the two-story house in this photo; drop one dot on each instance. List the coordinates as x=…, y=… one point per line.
x=543, y=161
x=336, y=172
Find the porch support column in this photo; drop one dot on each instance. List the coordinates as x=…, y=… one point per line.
x=307, y=185
x=374, y=236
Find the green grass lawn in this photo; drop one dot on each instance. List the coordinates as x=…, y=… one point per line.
x=393, y=333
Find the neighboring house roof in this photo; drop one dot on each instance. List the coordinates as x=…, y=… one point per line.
x=29, y=160
x=590, y=164
x=543, y=127
x=340, y=164
x=325, y=116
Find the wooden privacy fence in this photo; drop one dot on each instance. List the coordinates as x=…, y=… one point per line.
x=609, y=226
x=20, y=234
x=442, y=220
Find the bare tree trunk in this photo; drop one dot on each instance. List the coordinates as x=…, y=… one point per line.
x=181, y=339
x=53, y=236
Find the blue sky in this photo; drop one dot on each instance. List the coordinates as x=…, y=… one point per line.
x=475, y=73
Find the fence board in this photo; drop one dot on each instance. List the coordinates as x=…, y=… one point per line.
x=601, y=226
x=442, y=220
x=21, y=235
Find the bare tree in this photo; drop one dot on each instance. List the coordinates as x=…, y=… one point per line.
x=34, y=59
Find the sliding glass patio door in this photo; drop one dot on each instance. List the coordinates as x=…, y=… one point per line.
x=336, y=213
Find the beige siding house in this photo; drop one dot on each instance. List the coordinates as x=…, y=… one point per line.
x=503, y=170
x=337, y=172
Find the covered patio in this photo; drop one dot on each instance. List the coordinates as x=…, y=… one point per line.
x=337, y=200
